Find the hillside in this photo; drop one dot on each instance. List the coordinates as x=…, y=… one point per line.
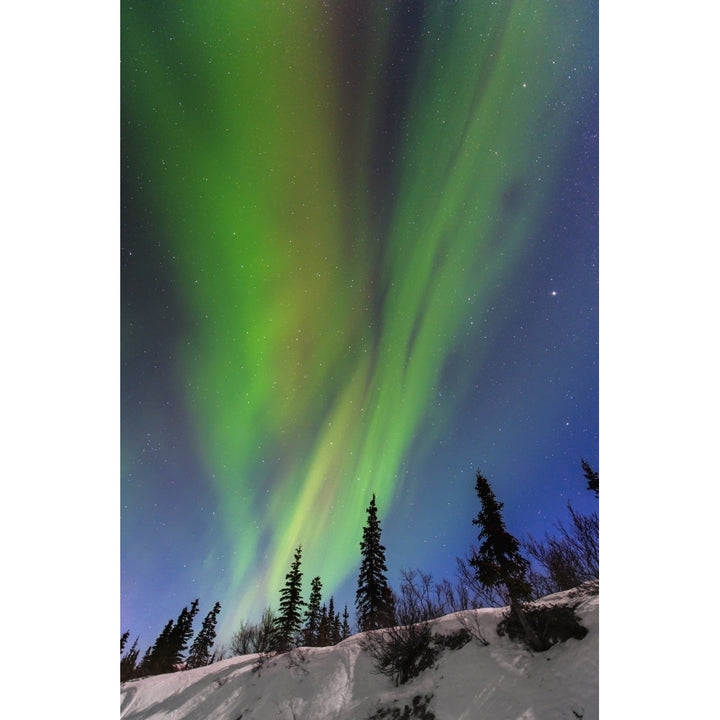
x=499, y=681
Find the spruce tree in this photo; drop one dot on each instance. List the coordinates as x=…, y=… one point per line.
x=180, y=637
x=154, y=660
x=498, y=563
x=199, y=654
x=143, y=668
x=334, y=620
x=345, y=631
x=592, y=477
x=312, y=614
x=323, y=628
x=167, y=651
x=128, y=662
x=289, y=619
x=373, y=600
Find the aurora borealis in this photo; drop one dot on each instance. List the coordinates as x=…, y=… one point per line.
x=359, y=255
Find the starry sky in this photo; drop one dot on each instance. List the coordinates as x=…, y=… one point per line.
x=359, y=254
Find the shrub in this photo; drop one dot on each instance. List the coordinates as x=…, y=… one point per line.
x=569, y=558
x=261, y=661
x=402, y=652
x=551, y=623
x=420, y=710
x=474, y=627
x=454, y=640
x=252, y=638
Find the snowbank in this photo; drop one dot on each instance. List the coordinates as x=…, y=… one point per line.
x=500, y=681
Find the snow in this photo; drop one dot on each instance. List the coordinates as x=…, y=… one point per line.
x=498, y=681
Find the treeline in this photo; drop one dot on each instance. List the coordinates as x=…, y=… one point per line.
x=493, y=573
x=167, y=653
x=313, y=623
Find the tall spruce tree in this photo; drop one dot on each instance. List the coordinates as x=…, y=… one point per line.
x=374, y=603
x=312, y=614
x=289, y=619
x=180, y=636
x=128, y=662
x=323, y=628
x=345, y=631
x=329, y=631
x=334, y=618
x=154, y=660
x=166, y=653
x=199, y=653
x=498, y=563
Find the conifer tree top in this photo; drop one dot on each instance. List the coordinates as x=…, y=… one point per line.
x=498, y=561
x=373, y=599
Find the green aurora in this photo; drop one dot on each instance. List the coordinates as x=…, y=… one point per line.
x=332, y=225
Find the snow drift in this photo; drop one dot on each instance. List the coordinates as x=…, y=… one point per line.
x=498, y=681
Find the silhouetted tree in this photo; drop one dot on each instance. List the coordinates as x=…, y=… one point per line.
x=329, y=629
x=199, y=654
x=334, y=623
x=128, y=663
x=592, y=477
x=312, y=614
x=323, y=636
x=288, y=621
x=123, y=639
x=373, y=599
x=154, y=660
x=345, y=631
x=180, y=636
x=498, y=563
x=166, y=653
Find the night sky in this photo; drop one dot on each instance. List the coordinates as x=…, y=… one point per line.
x=359, y=254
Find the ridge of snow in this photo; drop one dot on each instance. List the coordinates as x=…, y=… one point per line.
x=502, y=680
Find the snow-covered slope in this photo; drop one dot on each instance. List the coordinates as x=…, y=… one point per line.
x=500, y=681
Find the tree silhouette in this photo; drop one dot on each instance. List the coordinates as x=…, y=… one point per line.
x=592, y=477
x=498, y=563
x=180, y=637
x=312, y=614
x=288, y=621
x=166, y=653
x=373, y=599
x=345, y=631
x=199, y=654
x=334, y=636
x=154, y=659
x=128, y=662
